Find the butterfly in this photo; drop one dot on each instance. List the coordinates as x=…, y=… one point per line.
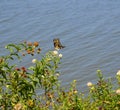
x=57, y=44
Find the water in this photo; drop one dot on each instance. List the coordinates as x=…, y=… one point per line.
x=90, y=30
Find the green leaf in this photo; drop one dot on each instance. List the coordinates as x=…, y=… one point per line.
x=4, y=75
x=15, y=46
x=2, y=80
x=22, y=44
x=31, y=68
x=15, y=54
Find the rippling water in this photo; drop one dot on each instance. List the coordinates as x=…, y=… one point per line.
x=89, y=29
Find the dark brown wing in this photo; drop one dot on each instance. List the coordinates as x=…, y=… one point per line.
x=59, y=44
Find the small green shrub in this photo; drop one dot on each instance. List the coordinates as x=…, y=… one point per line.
x=37, y=87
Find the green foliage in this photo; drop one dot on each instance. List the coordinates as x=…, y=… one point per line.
x=20, y=87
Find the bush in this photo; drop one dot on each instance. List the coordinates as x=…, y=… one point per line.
x=20, y=87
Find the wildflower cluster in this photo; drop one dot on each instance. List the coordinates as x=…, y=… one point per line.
x=19, y=84
x=102, y=94
x=55, y=52
x=24, y=48
x=38, y=88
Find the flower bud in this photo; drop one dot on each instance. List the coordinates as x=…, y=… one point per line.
x=60, y=55
x=36, y=44
x=74, y=81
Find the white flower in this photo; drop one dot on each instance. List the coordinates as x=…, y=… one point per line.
x=34, y=60
x=7, y=86
x=60, y=55
x=75, y=91
x=57, y=74
x=118, y=91
x=89, y=84
x=55, y=52
x=118, y=73
x=42, y=76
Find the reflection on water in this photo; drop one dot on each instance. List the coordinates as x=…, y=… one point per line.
x=89, y=29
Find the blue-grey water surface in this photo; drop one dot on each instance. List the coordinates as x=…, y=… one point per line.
x=90, y=30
